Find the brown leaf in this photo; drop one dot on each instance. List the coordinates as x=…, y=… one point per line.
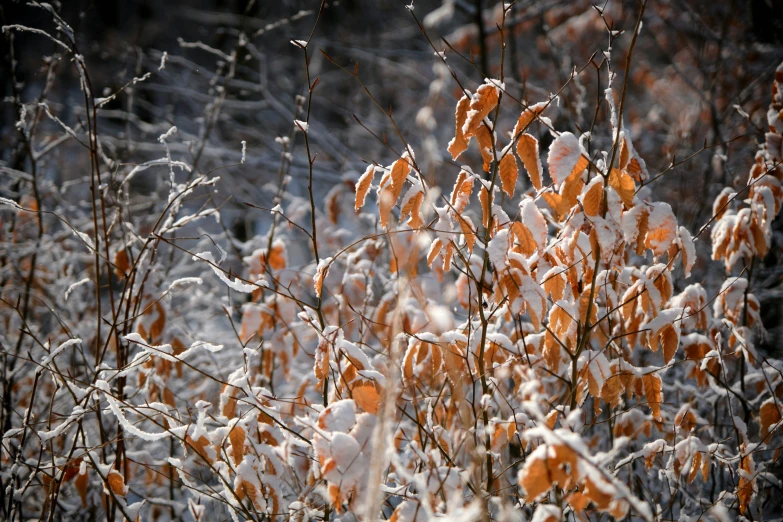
x=412, y=208
x=485, y=141
x=625, y=154
x=81, y=483
x=72, y=469
x=551, y=352
x=759, y=241
x=661, y=229
x=623, y=184
x=508, y=173
x=229, y=408
x=434, y=251
x=528, y=115
x=534, y=478
x=121, y=263
x=366, y=397
x=391, y=186
x=459, y=144
x=386, y=202
x=399, y=173
x=408, y=361
x=524, y=237
x=571, y=189
x=156, y=329
x=363, y=186
x=592, y=201
x=612, y=390
x=460, y=194
x=643, y=228
x=669, y=341
x=468, y=228
x=237, y=439
x=555, y=286
x=634, y=169
x=485, y=210
x=277, y=256
x=333, y=206
x=746, y=483
x=685, y=421
x=447, y=255
x=652, y=390
x=769, y=414
x=318, y=279
x=199, y=446
x=116, y=483
x=481, y=104
x=556, y=203
x=695, y=467
x=527, y=149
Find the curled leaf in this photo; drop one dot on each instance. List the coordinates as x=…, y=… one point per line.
x=363, y=186
x=459, y=144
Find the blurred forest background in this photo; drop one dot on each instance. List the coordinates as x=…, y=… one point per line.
x=699, y=80
x=699, y=85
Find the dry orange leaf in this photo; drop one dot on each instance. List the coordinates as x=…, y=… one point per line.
x=528, y=115
x=320, y=274
x=508, y=173
x=669, y=341
x=363, y=186
x=116, y=483
x=555, y=286
x=769, y=414
x=695, y=467
x=485, y=141
x=434, y=251
x=468, y=228
x=593, y=199
x=484, y=199
x=557, y=203
x=535, y=478
x=524, y=237
x=551, y=352
x=463, y=188
x=399, y=173
x=81, y=482
x=386, y=199
x=459, y=144
x=121, y=263
x=624, y=153
x=652, y=390
x=237, y=439
x=623, y=184
x=571, y=189
x=366, y=397
x=199, y=446
x=156, y=329
x=527, y=149
x=277, y=256
x=746, y=483
x=412, y=208
x=612, y=390
x=481, y=104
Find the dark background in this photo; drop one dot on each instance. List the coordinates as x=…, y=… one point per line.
x=694, y=64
